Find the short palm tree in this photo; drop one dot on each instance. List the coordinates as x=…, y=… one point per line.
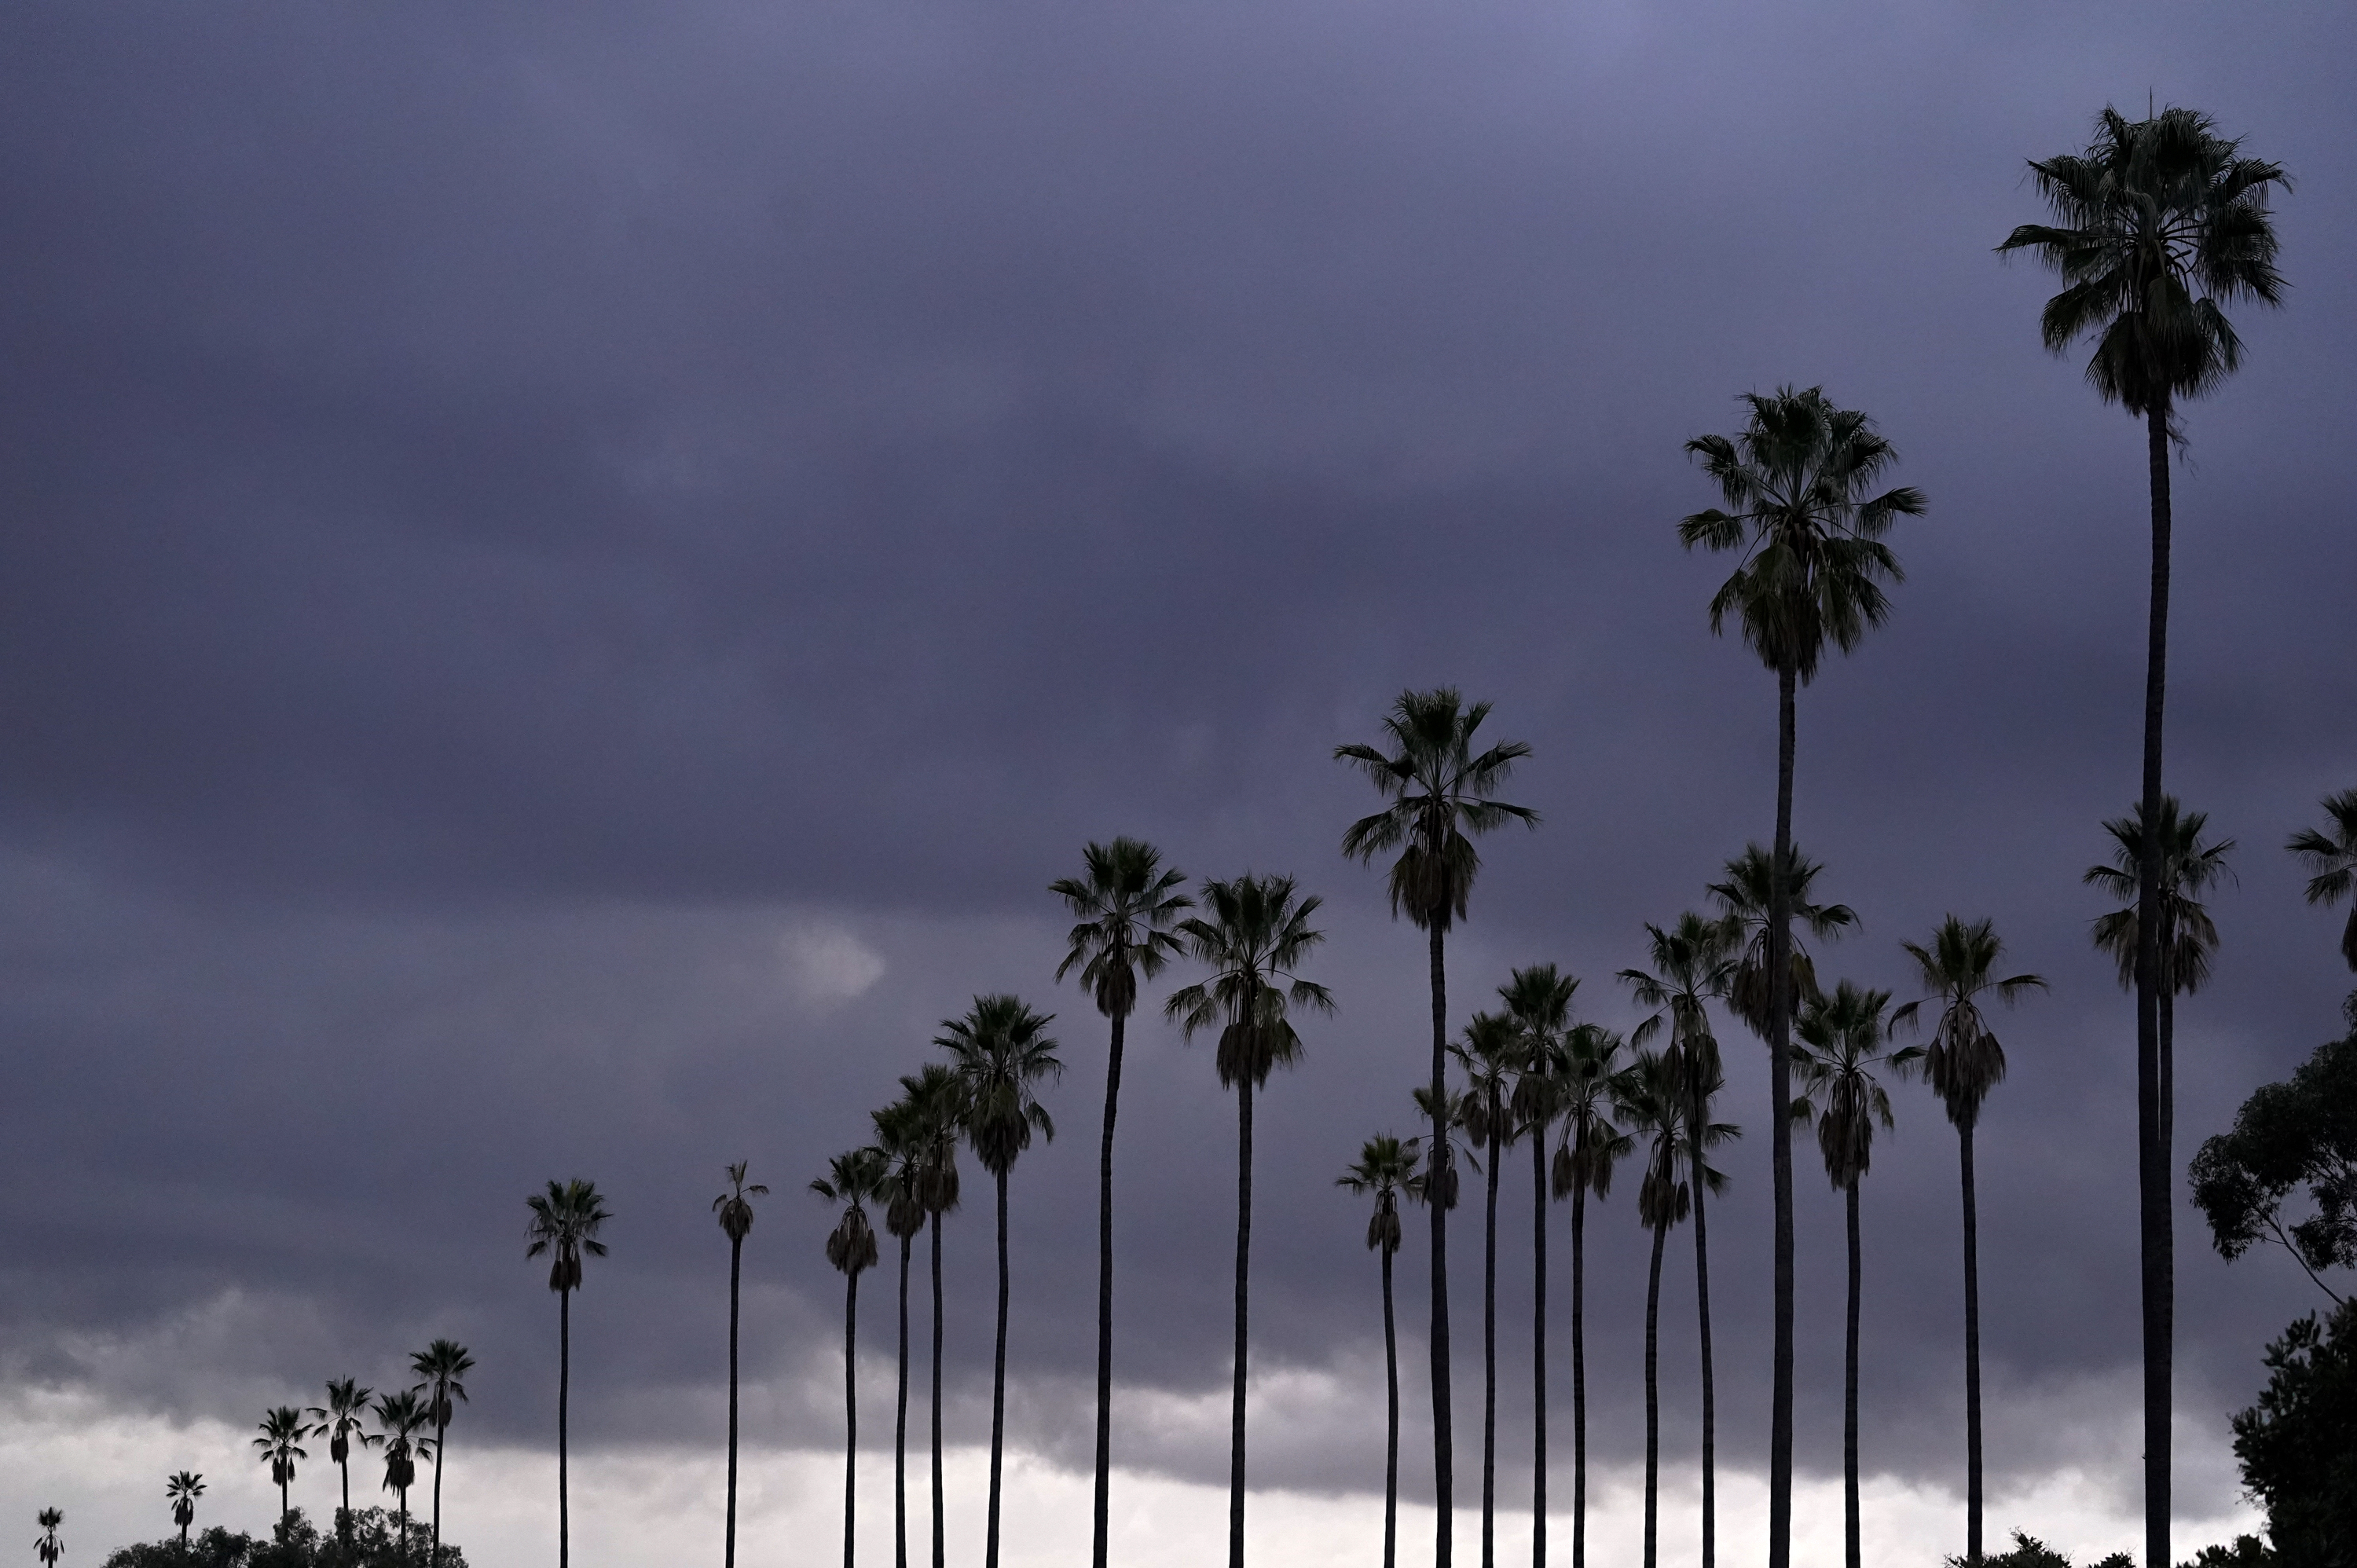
x=182, y=1490
x=2158, y=224
x=2330, y=858
x=1384, y=1167
x=1124, y=906
x=1538, y=999
x=340, y=1420
x=566, y=1221
x=735, y=1210
x=1958, y=968
x=1442, y=795
x=400, y=1419
x=438, y=1368
x=1002, y=1055
x=1744, y=897
x=851, y=1179
x=1651, y=1101
x=1844, y=1038
x=900, y=1132
x=1491, y=1053
x=1694, y=962
x=1253, y=935
x=1795, y=483
x=282, y=1431
x=47, y=1547
x=935, y=1097
x=1590, y=1147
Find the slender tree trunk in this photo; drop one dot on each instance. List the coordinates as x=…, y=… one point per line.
x=1654, y=1397
x=1391, y=1429
x=850, y=1413
x=940, y=1553
x=285, y=1507
x=1444, y=1463
x=1971, y=1353
x=1538, y=1349
x=736, y=1272
x=1490, y=1343
x=1102, y=1523
x=1579, y=1376
x=1243, y=1316
x=1849, y=1392
x=901, y=1427
x=343, y=1514
x=563, y=1395
x=441, y=1441
x=1780, y=1089
x=1710, y=1399
x=2152, y=1168
x=997, y=1388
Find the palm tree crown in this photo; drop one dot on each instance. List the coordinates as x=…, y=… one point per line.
x=1440, y=791
x=1001, y=1053
x=1383, y=1169
x=734, y=1211
x=2189, y=868
x=852, y=1178
x=182, y=1489
x=566, y=1221
x=1963, y=1060
x=2330, y=857
x=1744, y=900
x=1253, y=941
x=1844, y=1038
x=438, y=1368
x=282, y=1431
x=46, y=1546
x=1123, y=910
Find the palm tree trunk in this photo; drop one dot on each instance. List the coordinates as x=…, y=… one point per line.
x=1243, y=1316
x=1709, y=1402
x=1489, y=1345
x=2152, y=1168
x=941, y=1554
x=1444, y=1462
x=850, y=1413
x=1849, y=1394
x=900, y=1428
x=736, y=1262
x=441, y=1441
x=1780, y=1088
x=284, y=1507
x=1579, y=1376
x=564, y=1394
x=343, y=1514
x=1538, y=1349
x=1391, y=1438
x=1105, y=1301
x=997, y=1388
x=1653, y=1397
x=1971, y=1354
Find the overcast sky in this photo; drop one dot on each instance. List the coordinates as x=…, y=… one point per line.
x=571, y=574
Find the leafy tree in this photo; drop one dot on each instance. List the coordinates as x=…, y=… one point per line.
x=282, y=1431
x=1745, y=899
x=851, y=1179
x=2297, y=1445
x=46, y=1546
x=214, y=1548
x=899, y=1133
x=1002, y=1054
x=373, y=1542
x=400, y=1418
x=182, y=1490
x=935, y=1097
x=1584, y=1160
x=1442, y=797
x=2029, y=1551
x=340, y=1420
x=1538, y=1000
x=2330, y=857
x=1255, y=936
x=2244, y=1551
x=1794, y=482
x=2289, y=1137
x=1385, y=1166
x=566, y=1221
x=735, y=1210
x=1963, y=1063
x=2158, y=223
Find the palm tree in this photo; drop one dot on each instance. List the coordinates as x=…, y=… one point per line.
x=851, y=1180
x=1795, y=485
x=1124, y=908
x=566, y=1221
x=1590, y=1147
x=1491, y=1053
x=48, y=1548
x=1538, y=1000
x=736, y=1214
x=900, y=1132
x=1843, y=1039
x=182, y=1490
x=339, y=1420
x=1001, y=1053
x=282, y=1431
x=2331, y=859
x=1440, y=791
x=1694, y=963
x=2156, y=223
x=1744, y=901
x=1253, y=941
x=399, y=1418
x=935, y=1096
x=1963, y=1063
x=438, y=1367
x=1385, y=1166
x=1651, y=1101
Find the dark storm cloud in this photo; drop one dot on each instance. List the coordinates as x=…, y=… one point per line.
x=514, y=514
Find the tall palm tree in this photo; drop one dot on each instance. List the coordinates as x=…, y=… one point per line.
x=851, y=1179
x=900, y=1133
x=566, y=1221
x=339, y=1420
x=1491, y=1053
x=1255, y=936
x=2330, y=857
x=1385, y=1166
x=1002, y=1055
x=1124, y=906
x=282, y=1431
x=1745, y=899
x=935, y=1096
x=438, y=1367
x=1795, y=484
x=47, y=1547
x=1590, y=1147
x=1694, y=962
x=182, y=1490
x=1441, y=794
x=1651, y=1101
x=2158, y=224
x=1538, y=1000
x=400, y=1418
x=1842, y=1040
x=1963, y=1063
x=735, y=1210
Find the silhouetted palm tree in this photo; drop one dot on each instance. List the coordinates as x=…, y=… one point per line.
x=566, y=1221
x=1651, y=1101
x=1491, y=1053
x=1124, y=906
x=2330, y=857
x=2156, y=222
x=47, y=1547
x=935, y=1096
x=735, y=1212
x=1795, y=483
x=1842, y=1040
x=182, y=1490
x=1001, y=1053
x=900, y=1133
x=339, y=1420
x=1441, y=794
x=1253, y=941
x=282, y=1431
x=438, y=1367
x=1538, y=1000
x=399, y=1418
x=1963, y=1063
x=1385, y=1166
x=851, y=1180
x=1590, y=1147
x=1744, y=898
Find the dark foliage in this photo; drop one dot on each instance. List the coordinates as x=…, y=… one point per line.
x=295, y=1543
x=2029, y=1551
x=2247, y=1551
x=2298, y=1445
x=2287, y=1137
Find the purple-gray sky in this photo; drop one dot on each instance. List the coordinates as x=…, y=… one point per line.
x=570, y=574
